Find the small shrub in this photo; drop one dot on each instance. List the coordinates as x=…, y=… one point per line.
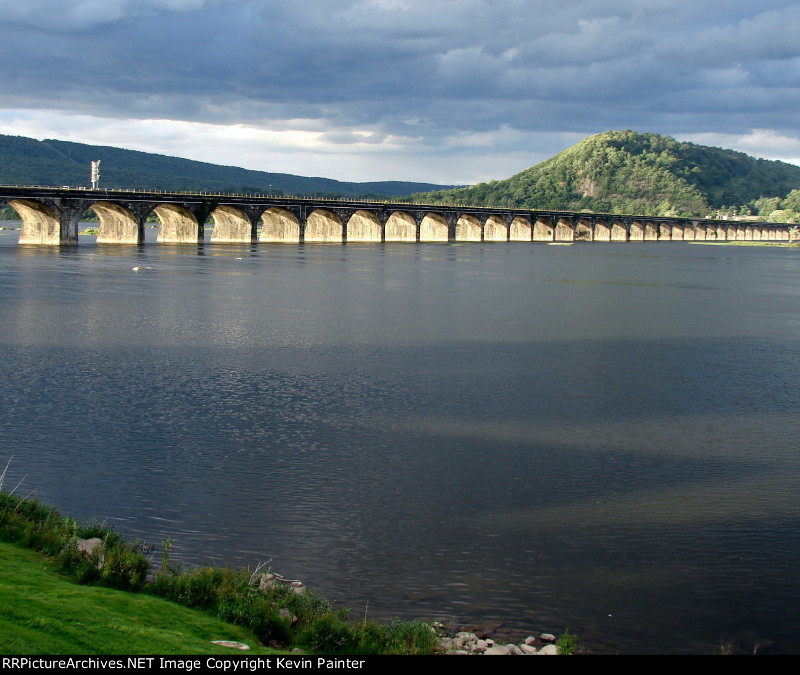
x=567, y=643
x=124, y=566
x=411, y=637
x=328, y=634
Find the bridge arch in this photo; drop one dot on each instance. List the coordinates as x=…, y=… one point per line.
x=543, y=229
x=279, y=226
x=468, y=228
x=231, y=225
x=178, y=225
x=323, y=226
x=650, y=231
x=400, y=226
x=118, y=225
x=40, y=224
x=677, y=232
x=433, y=228
x=520, y=229
x=495, y=229
x=583, y=230
x=602, y=230
x=665, y=232
x=636, y=231
x=363, y=225
x=564, y=229
x=618, y=230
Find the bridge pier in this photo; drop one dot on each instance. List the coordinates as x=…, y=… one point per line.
x=48, y=222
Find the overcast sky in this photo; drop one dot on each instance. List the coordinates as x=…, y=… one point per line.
x=448, y=91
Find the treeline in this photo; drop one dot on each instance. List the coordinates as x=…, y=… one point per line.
x=26, y=161
x=644, y=174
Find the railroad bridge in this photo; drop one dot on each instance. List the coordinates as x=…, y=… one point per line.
x=50, y=215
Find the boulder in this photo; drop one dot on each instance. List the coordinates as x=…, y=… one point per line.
x=498, y=650
x=89, y=546
x=230, y=643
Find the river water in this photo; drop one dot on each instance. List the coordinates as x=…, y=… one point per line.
x=599, y=437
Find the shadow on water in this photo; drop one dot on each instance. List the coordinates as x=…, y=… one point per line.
x=432, y=430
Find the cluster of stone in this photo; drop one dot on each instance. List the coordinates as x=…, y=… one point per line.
x=469, y=643
x=272, y=579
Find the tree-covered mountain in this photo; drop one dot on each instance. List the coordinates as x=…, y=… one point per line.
x=26, y=161
x=644, y=174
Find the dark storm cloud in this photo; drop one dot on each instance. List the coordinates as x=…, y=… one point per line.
x=427, y=70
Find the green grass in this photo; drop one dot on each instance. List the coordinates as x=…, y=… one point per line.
x=42, y=612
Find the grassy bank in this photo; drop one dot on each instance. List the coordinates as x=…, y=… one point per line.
x=42, y=612
x=58, y=598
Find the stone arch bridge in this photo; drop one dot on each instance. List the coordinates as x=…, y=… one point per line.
x=51, y=215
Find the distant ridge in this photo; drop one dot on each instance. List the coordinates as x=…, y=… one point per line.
x=26, y=161
x=644, y=174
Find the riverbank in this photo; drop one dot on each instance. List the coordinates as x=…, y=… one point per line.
x=43, y=612
x=85, y=590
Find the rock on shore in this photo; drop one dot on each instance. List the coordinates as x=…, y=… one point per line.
x=466, y=643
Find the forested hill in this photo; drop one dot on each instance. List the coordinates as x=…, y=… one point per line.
x=26, y=161
x=645, y=174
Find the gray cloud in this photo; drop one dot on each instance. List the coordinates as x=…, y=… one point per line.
x=434, y=70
